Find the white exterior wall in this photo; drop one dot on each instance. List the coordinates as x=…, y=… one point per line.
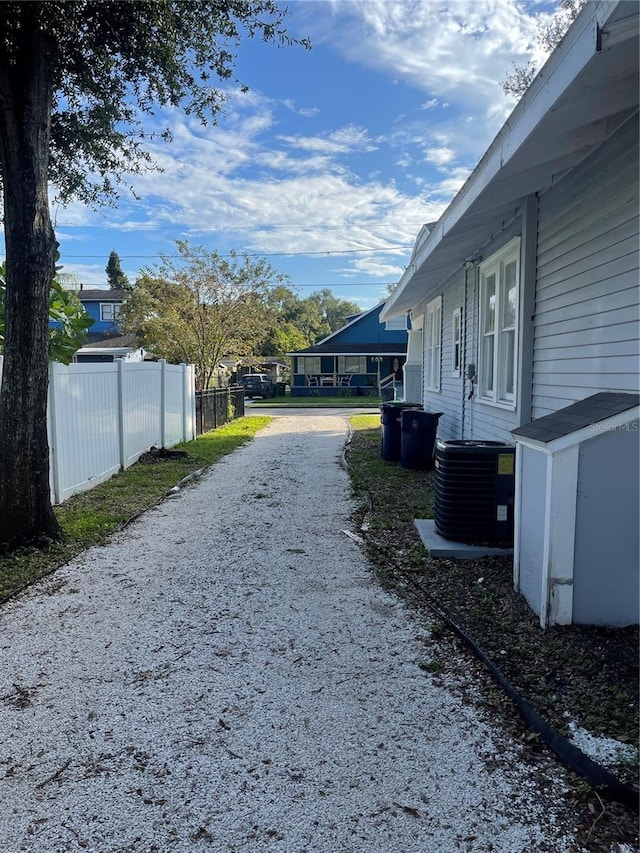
x=483, y=420
x=463, y=417
x=529, y=550
x=587, y=295
x=450, y=399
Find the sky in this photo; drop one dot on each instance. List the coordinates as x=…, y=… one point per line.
x=335, y=158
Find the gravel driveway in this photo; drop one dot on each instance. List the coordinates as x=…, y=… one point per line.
x=226, y=675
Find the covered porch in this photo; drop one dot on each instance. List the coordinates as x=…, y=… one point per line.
x=345, y=375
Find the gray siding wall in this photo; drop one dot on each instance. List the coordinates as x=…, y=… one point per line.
x=587, y=295
x=449, y=400
x=482, y=420
x=605, y=585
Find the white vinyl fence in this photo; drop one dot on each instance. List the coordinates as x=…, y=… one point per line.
x=102, y=417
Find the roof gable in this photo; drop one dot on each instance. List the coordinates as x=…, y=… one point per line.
x=365, y=333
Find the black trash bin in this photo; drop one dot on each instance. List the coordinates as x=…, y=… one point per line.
x=418, y=438
x=281, y=389
x=390, y=419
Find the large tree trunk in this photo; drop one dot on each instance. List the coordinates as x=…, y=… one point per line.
x=26, y=515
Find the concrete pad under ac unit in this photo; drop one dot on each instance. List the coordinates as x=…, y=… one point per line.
x=440, y=548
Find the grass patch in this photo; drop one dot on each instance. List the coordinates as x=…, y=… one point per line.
x=90, y=517
x=589, y=674
x=320, y=402
x=400, y=494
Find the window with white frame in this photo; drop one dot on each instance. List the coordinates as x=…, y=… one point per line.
x=433, y=333
x=352, y=364
x=109, y=311
x=456, y=345
x=308, y=364
x=499, y=286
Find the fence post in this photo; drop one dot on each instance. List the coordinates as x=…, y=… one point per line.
x=192, y=397
x=54, y=448
x=163, y=400
x=120, y=413
x=185, y=399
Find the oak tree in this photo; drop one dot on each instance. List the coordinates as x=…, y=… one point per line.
x=201, y=307
x=76, y=80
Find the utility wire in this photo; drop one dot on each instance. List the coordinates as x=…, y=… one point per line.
x=254, y=254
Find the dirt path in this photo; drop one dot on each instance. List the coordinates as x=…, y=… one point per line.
x=227, y=676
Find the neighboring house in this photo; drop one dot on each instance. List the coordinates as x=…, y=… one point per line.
x=103, y=306
x=109, y=349
x=355, y=359
x=524, y=302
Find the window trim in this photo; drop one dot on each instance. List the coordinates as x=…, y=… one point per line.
x=495, y=265
x=456, y=363
x=307, y=369
x=361, y=368
x=433, y=345
x=114, y=310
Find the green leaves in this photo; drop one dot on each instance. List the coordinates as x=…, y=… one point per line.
x=201, y=308
x=67, y=312
x=111, y=64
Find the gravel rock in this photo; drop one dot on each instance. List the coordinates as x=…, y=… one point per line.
x=226, y=675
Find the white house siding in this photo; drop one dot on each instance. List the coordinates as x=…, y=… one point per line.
x=482, y=420
x=449, y=400
x=587, y=295
x=530, y=526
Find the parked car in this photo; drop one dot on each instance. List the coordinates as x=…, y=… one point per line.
x=258, y=385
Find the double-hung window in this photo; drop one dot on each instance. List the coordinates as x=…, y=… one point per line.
x=433, y=332
x=352, y=364
x=497, y=357
x=109, y=311
x=308, y=364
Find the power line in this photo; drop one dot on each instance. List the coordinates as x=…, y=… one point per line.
x=255, y=254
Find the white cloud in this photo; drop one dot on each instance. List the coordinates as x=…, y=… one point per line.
x=459, y=50
x=439, y=156
x=307, y=112
x=287, y=202
x=239, y=184
x=341, y=141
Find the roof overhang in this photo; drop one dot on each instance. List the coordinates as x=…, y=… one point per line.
x=585, y=91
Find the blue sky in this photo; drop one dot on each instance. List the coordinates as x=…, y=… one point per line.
x=336, y=157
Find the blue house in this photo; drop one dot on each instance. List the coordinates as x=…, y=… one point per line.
x=103, y=306
x=358, y=359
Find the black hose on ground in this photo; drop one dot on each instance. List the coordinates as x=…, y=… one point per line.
x=570, y=755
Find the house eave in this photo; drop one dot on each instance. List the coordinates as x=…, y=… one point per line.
x=548, y=132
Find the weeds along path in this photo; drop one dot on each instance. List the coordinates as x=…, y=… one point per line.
x=226, y=675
